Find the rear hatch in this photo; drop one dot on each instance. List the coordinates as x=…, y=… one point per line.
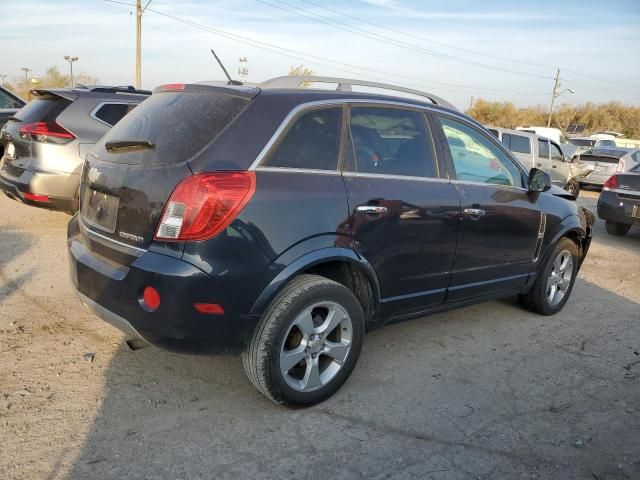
x=132, y=171
x=40, y=112
x=604, y=161
x=628, y=186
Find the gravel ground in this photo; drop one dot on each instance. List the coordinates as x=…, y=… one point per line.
x=485, y=392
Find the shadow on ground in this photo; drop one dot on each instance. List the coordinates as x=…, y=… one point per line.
x=14, y=244
x=488, y=391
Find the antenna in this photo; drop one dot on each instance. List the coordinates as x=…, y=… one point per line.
x=231, y=81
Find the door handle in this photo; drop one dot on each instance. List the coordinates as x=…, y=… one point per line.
x=371, y=209
x=554, y=166
x=474, y=212
x=539, y=164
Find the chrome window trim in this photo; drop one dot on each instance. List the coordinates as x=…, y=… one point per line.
x=492, y=185
x=121, y=247
x=102, y=104
x=297, y=170
x=395, y=177
x=284, y=125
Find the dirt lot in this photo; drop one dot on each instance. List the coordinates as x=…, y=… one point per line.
x=485, y=392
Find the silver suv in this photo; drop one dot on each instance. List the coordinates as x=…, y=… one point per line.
x=46, y=141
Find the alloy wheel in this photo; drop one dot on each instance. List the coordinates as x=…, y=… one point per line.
x=560, y=277
x=316, y=346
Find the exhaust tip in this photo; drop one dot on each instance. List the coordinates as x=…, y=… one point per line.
x=137, y=344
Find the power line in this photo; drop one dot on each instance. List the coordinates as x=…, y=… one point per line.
x=388, y=40
x=448, y=45
x=297, y=55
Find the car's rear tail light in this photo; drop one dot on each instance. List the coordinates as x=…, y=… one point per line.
x=45, y=131
x=203, y=205
x=611, y=183
x=34, y=197
x=620, y=167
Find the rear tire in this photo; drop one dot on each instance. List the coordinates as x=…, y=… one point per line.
x=555, y=280
x=617, y=229
x=307, y=343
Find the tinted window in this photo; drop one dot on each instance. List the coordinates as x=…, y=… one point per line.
x=556, y=153
x=476, y=158
x=178, y=124
x=516, y=143
x=43, y=109
x=112, y=113
x=582, y=142
x=543, y=148
x=312, y=142
x=392, y=142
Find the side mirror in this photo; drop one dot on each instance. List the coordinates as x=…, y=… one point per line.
x=539, y=181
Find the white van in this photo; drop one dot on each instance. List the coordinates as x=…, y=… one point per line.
x=550, y=133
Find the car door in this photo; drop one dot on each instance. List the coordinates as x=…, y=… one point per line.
x=404, y=213
x=500, y=218
x=560, y=170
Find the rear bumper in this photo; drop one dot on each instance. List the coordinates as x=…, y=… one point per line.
x=611, y=208
x=113, y=293
x=59, y=187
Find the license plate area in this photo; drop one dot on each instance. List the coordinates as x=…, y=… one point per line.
x=100, y=210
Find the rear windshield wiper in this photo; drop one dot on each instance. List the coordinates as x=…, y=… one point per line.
x=122, y=145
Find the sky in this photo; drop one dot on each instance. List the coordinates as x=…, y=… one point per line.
x=497, y=50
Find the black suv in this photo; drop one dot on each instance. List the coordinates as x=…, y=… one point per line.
x=284, y=222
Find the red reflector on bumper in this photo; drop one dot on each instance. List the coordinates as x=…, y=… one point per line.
x=35, y=197
x=150, y=298
x=210, y=308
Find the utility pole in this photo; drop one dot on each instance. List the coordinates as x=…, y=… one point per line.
x=554, y=94
x=3, y=76
x=138, y=43
x=471, y=103
x=139, y=12
x=243, y=70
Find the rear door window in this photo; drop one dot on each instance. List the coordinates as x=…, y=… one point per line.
x=177, y=124
x=476, y=158
x=543, y=148
x=392, y=142
x=312, y=142
x=6, y=101
x=112, y=113
x=516, y=143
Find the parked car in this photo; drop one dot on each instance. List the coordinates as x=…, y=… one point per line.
x=577, y=145
x=540, y=152
x=605, y=162
x=10, y=103
x=619, y=202
x=284, y=222
x=47, y=140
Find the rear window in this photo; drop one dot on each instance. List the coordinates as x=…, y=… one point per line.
x=582, y=142
x=178, y=124
x=43, y=109
x=516, y=143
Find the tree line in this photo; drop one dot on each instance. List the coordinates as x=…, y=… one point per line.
x=594, y=117
x=52, y=78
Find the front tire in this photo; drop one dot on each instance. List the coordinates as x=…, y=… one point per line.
x=573, y=187
x=555, y=281
x=617, y=229
x=307, y=343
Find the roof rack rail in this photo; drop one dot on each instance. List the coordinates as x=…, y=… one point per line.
x=346, y=84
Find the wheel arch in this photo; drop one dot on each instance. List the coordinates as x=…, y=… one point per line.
x=339, y=264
